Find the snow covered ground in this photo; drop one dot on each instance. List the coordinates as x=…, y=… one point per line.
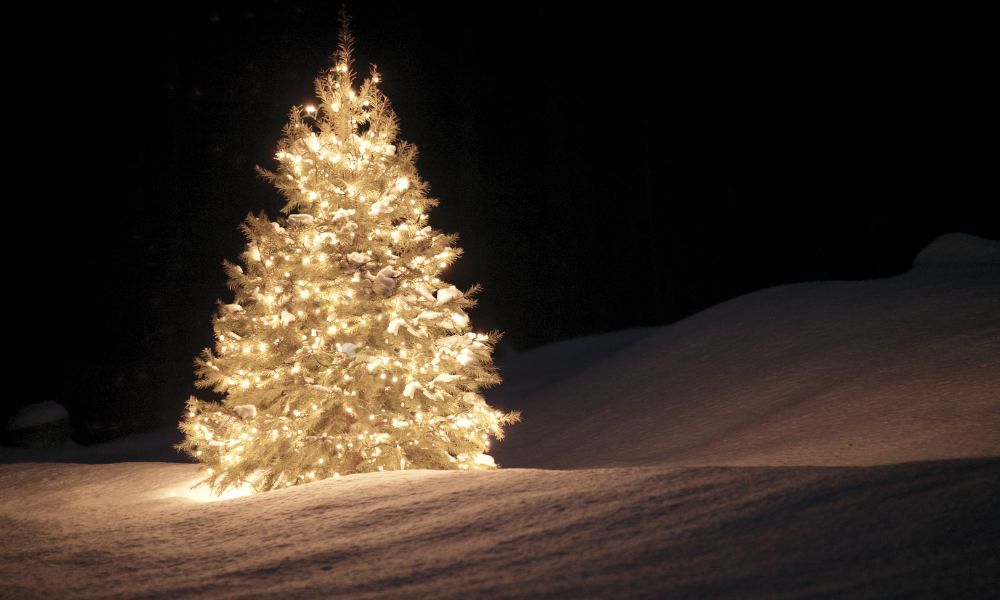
x=836, y=439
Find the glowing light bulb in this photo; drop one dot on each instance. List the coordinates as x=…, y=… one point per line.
x=310, y=109
x=402, y=183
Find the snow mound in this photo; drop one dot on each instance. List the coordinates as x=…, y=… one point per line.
x=829, y=373
x=37, y=414
x=43, y=425
x=959, y=248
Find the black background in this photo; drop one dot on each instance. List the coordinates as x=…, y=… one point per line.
x=606, y=169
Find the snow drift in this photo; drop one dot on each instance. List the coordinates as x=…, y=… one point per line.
x=832, y=373
x=960, y=249
x=810, y=440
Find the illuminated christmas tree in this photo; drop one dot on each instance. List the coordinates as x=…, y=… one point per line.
x=343, y=351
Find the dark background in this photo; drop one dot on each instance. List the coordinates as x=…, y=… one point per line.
x=605, y=169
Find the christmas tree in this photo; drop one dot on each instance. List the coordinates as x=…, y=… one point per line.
x=343, y=351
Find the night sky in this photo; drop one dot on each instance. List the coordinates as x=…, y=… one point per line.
x=604, y=170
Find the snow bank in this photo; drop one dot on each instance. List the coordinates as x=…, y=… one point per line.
x=960, y=249
x=42, y=425
x=831, y=373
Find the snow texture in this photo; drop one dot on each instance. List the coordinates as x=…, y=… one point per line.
x=445, y=295
x=342, y=213
x=836, y=439
x=358, y=258
x=396, y=323
x=300, y=219
x=384, y=283
x=246, y=411
x=135, y=530
x=411, y=387
x=37, y=414
x=381, y=206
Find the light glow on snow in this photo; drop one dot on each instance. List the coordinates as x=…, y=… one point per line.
x=203, y=493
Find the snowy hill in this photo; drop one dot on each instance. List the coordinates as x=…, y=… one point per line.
x=835, y=439
x=831, y=373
